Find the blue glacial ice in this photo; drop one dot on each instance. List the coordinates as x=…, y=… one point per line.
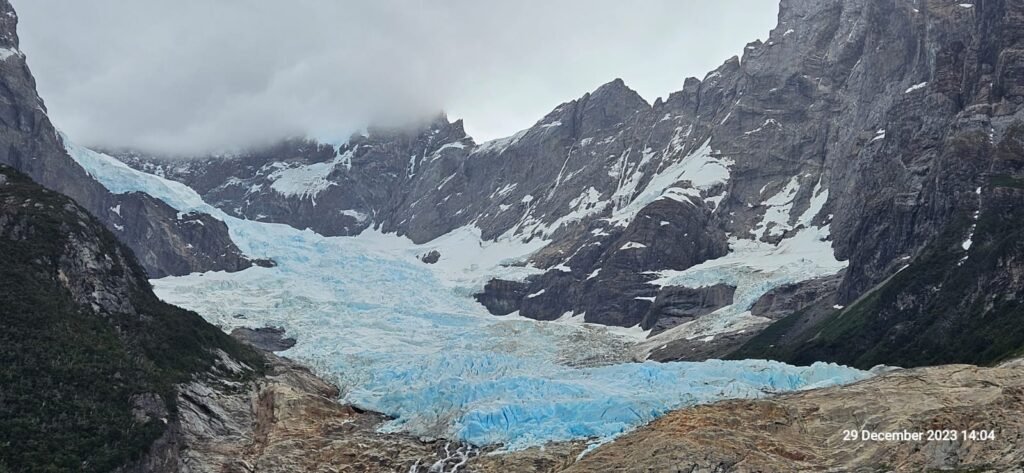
x=398, y=338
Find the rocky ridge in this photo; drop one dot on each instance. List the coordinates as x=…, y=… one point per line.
x=861, y=127
x=165, y=243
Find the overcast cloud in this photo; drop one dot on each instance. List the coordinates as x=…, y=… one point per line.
x=188, y=76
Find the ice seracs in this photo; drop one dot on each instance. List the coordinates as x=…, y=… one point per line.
x=404, y=338
x=755, y=266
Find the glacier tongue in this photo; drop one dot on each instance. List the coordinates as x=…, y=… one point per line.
x=400, y=339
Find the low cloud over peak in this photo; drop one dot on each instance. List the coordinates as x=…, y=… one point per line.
x=193, y=76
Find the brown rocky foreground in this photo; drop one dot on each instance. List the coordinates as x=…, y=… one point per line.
x=290, y=422
x=805, y=431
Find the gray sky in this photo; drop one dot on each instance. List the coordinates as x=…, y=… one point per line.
x=186, y=76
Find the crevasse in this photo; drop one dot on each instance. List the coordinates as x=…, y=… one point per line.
x=398, y=338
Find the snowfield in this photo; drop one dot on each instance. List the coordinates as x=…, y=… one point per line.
x=403, y=338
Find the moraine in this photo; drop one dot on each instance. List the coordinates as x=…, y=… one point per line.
x=404, y=338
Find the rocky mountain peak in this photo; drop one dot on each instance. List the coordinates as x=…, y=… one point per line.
x=842, y=135
x=435, y=123
x=617, y=91
x=609, y=105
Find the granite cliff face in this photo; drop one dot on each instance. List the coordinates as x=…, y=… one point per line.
x=957, y=300
x=164, y=243
x=864, y=128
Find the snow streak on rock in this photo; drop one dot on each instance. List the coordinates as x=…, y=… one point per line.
x=402, y=338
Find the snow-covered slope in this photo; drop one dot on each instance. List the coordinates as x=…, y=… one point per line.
x=839, y=147
x=754, y=268
x=403, y=338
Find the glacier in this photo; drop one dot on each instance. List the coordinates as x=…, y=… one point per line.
x=404, y=339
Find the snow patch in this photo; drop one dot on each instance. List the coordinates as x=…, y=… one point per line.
x=754, y=268
x=702, y=169
x=359, y=216
x=767, y=123
x=501, y=144
x=308, y=180
x=400, y=337
x=7, y=53
x=633, y=246
x=916, y=87
x=504, y=191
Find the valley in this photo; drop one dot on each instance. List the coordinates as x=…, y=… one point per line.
x=397, y=340
x=823, y=234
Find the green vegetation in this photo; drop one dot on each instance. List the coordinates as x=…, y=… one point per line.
x=770, y=340
x=67, y=374
x=1004, y=180
x=941, y=309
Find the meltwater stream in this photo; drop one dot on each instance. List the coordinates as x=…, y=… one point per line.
x=398, y=339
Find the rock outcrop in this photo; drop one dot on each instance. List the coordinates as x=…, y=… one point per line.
x=807, y=431
x=164, y=243
x=290, y=421
x=90, y=356
x=871, y=122
x=957, y=300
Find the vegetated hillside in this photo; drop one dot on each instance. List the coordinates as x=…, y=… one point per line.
x=961, y=300
x=89, y=357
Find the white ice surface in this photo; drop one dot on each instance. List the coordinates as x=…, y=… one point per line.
x=754, y=268
x=307, y=180
x=400, y=337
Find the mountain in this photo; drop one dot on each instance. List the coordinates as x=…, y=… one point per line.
x=98, y=375
x=89, y=357
x=861, y=137
x=165, y=242
x=848, y=190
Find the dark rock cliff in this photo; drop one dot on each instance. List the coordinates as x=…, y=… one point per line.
x=959, y=300
x=875, y=119
x=28, y=142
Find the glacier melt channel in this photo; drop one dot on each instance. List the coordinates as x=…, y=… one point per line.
x=398, y=340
